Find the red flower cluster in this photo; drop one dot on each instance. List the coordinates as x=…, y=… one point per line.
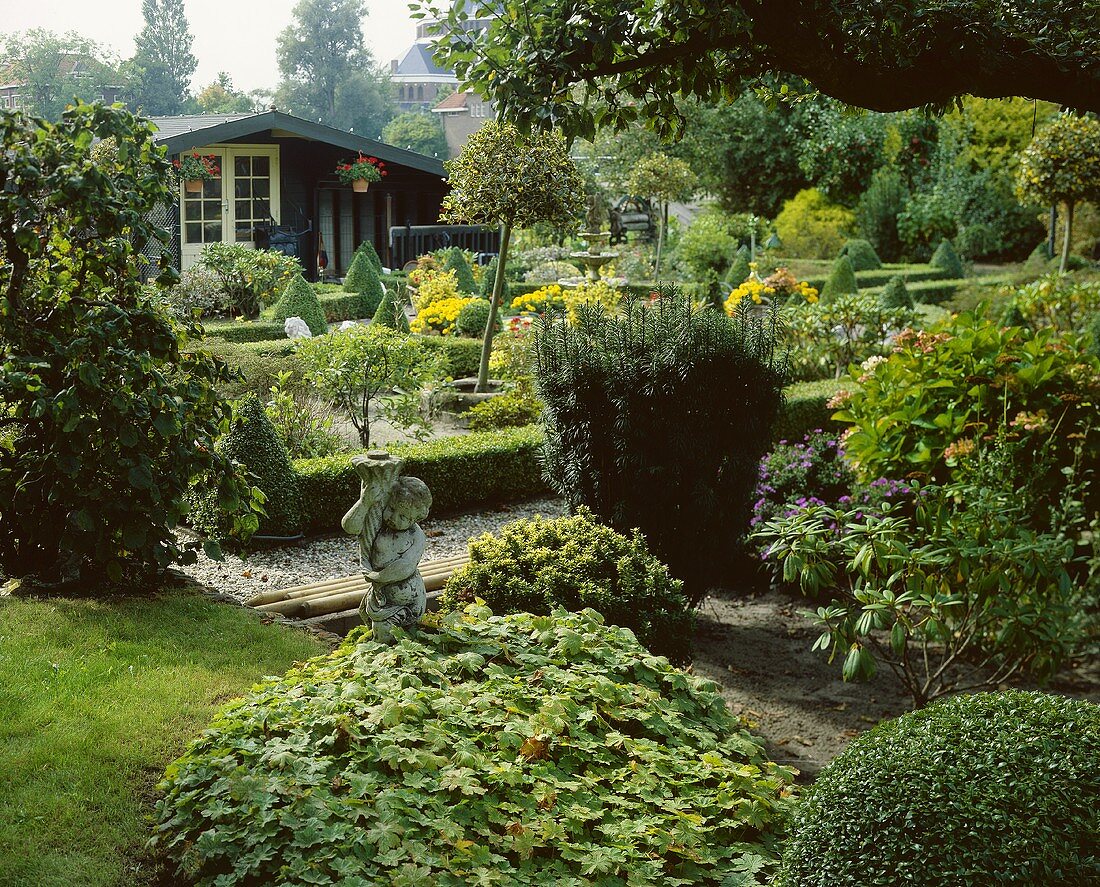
x=370, y=168
x=197, y=166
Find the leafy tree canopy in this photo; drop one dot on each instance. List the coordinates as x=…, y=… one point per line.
x=580, y=65
x=163, y=63
x=220, y=97
x=418, y=131
x=54, y=69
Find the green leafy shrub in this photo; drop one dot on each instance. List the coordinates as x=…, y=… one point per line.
x=249, y=278
x=996, y=789
x=862, y=255
x=878, y=210
x=472, y=319
x=391, y=311
x=299, y=300
x=842, y=280
x=107, y=415
x=985, y=376
x=895, y=294
x=370, y=372
x=813, y=228
x=946, y=259
x=657, y=419
x=458, y=357
x=453, y=757
x=871, y=279
x=456, y=261
x=304, y=427
x=1058, y=301
x=710, y=241
x=198, y=290
x=513, y=409
x=539, y=565
x=254, y=444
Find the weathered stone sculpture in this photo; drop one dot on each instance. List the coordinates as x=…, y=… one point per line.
x=391, y=543
x=296, y=328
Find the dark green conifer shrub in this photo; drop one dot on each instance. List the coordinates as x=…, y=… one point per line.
x=472, y=318
x=947, y=260
x=364, y=279
x=657, y=419
x=862, y=254
x=739, y=270
x=255, y=445
x=538, y=565
x=366, y=248
x=990, y=789
x=842, y=279
x=487, y=284
x=454, y=756
x=895, y=294
x=456, y=262
x=299, y=299
x=356, y=280
x=877, y=213
x=391, y=311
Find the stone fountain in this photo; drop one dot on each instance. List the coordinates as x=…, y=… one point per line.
x=592, y=259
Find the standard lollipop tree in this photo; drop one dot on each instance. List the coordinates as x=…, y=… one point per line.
x=506, y=178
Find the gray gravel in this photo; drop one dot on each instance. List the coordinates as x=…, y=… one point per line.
x=332, y=556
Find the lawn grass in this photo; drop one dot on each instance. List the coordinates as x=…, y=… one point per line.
x=96, y=698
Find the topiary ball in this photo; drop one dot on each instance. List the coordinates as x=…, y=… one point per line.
x=391, y=312
x=464, y=277
x=896, y=294
x=862, y=254
x=947, y=260
x=992, y=789
x=299, y=299
x=473, y=317
x=575, y=562
x=522, y=750
x=842, y=279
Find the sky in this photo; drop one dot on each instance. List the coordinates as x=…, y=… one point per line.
x=230, y=35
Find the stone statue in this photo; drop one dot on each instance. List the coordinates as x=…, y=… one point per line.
x=391, y=543
x=296, y=328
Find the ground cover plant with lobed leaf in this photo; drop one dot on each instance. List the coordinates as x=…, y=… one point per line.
x=522, y=750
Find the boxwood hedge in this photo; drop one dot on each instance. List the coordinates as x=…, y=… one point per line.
x=526, y=750
x=991, y=789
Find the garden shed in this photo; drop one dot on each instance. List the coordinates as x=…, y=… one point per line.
x=278, y=188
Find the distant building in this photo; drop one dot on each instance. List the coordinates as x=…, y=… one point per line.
x=418, y=81
x=462, y=114
x=15, y=96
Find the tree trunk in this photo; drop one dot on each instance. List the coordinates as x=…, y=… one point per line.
x=1066, y=239
x=661, y=238
x=498, y=289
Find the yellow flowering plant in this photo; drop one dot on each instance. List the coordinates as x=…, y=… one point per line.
x=548, y=298
x=598, y=293
x=780, y=285
x=434, y=286
x=439, y=316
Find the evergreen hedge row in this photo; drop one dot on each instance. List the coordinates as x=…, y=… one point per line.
x=871, y=279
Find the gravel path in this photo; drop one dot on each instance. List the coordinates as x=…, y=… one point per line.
x=332, y=556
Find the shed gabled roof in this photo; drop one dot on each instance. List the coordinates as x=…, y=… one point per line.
x=197, y=130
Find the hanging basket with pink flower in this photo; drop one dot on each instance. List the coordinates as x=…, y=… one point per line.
x=193, y=169
x=360, y=172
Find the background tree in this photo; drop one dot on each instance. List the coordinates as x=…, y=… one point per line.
x=54, y=69
x=505, y=178
x=418, y=131
x=327, y=72
x=220, y=97
x=163, y=63
x=109, y=417
x=662, y=179
x=1062, y=165
x=634, y=59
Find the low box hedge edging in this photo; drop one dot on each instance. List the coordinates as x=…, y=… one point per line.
x=461, y=356
x=463, y=472
x=243, y=331
x=805, y=409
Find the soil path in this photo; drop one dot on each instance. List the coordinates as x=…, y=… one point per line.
x=757, y=649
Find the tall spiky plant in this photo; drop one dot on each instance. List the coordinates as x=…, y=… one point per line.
x=657, y=418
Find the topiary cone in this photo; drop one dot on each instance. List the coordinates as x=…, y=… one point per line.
x=456, y=262
x=390, y=312
x=739, y=270
x=358, y=273
x=895, y=294
x=947, y=260
x=299, y=299
x=366, y=248
x=842, y=279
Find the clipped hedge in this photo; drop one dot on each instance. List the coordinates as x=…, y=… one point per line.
x=933, y=292
x=511, y=750
x=243, y=331
x=464, y=472
x=460, y=356
x=805, y=409
x=259, y=362
x=991, y=789
x=339, y=307
x=880, y=277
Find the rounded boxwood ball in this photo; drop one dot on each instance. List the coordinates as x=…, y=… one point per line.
x=990, y=789
x=862, y=254
x=472, y=318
